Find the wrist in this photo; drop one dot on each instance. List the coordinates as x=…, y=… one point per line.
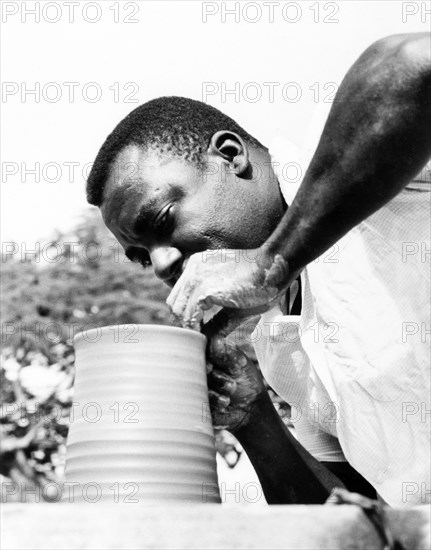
x=275, y=268
x=261, y=413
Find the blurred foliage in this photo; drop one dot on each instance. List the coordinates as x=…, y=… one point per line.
x=78, y=280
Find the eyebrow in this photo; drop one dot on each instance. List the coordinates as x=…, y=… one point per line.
x=153, y=204
x=144, y=212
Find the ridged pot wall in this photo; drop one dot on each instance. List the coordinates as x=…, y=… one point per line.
x=140, y=428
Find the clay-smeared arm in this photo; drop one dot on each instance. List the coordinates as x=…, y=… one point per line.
x=241, y=404
x=376, y=139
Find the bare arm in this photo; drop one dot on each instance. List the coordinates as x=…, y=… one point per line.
x=241, y=404
x=287, y=472
x=376, y=139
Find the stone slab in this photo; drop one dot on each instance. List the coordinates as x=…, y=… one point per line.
x=209, y=526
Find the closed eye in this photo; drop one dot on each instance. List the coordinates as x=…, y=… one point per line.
x=164, y=220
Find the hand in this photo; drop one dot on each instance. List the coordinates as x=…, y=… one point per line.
x=234, y=384
x=240, y=279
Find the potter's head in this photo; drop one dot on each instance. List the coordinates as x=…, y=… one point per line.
x=176, y=177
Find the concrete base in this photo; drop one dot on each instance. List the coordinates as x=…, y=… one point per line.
x=129, y=526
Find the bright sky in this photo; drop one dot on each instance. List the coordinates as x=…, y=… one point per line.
x=174, y=48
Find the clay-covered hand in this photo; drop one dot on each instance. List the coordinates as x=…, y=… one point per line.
x=234, y=384
x=239, y=279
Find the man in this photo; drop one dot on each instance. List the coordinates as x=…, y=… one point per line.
x=184, y=188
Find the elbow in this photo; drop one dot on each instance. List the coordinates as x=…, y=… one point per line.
x=395, y=60
x=410, y=52
x=415, y=51
x=399, y=66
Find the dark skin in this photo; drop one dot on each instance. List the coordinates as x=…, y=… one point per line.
x=375, y=141
x=132, y=209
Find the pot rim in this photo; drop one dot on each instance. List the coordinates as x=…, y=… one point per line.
x=161, y=328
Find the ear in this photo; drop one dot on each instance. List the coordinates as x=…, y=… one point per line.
x=231, y=147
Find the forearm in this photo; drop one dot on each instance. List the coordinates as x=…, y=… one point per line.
x=376, y=139
x=287, y=472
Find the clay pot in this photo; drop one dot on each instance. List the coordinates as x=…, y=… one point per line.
x=140, y=427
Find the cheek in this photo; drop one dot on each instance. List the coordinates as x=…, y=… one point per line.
x=253, y=226
x=224, y=222
x=191, y=234
x=244, y=221
x=202, y=230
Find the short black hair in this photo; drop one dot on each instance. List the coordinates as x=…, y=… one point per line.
x=178, y=125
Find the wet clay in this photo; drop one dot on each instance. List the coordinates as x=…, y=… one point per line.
x=140, y=428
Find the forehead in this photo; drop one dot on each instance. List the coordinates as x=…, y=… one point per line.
x=136, y=165
x=144, y=177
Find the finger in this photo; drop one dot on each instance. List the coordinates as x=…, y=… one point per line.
x=225, y=418
x=183, y=285
x=219, y=422
x=217, y=298
x=192, y=315
x=222, y=296
x=170, y=300
x=178, y=300
x=185, y=282
x=224, y=322
x=226, y=356
x=217, y=350
x=218, y=402
x=201, y=299
x=221, y=383
x=206, y=302
x=193, y=312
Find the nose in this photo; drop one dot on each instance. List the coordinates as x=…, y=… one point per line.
x=167, y=263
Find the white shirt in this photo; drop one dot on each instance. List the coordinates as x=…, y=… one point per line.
x=355, y=364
